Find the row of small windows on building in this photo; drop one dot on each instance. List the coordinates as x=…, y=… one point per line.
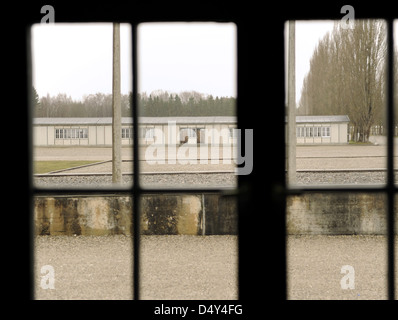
x=71, y=133
x=305, y=132
x=82, y=133
x=127, y=133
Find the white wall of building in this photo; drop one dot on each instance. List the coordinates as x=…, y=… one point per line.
x=322, y=133
x=101, y=135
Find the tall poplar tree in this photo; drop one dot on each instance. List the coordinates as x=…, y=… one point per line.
x=347, y=76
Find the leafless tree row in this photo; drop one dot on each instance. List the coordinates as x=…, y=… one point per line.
x=159, y=103
x=347, y=76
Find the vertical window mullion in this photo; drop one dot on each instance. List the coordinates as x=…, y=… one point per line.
x=136, y=187
x=390, y=161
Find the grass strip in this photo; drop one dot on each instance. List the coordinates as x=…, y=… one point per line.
x=48, y=166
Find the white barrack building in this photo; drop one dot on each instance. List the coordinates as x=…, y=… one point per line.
x=98, y=131
x=322, y=129
x=191, y=130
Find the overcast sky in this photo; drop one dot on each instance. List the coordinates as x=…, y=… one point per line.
x=76, y=59
x=188, y=56
x=308, y=34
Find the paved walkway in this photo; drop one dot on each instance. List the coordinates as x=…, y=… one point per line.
x=347, y=157
x=78, y=153
x=105, y=154
x=351, y=157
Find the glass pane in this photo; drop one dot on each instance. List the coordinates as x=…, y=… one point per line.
x=83, y=248
x=337, y=246
x=189, y=247
x=187, y=104
x=72, y=104
x=337, y=96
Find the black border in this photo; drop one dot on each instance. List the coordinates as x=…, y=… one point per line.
x=262, y=262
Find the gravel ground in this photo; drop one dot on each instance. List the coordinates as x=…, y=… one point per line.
x=315, y=262
x=192, y=267
x=173, y=267
x=153, y=180
x=211, y=179
x=358, y=177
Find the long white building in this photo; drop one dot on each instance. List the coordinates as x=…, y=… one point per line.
x=322, y=129
x=162, y=130
x=177, y=130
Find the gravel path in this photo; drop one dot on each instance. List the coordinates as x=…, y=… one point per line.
x=192, y=267
x=315, y=262
x=173, y=267
x=153, y=180
x=324, y=178
x=211, y=179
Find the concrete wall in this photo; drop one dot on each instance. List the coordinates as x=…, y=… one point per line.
x=337, y=213
x=206, y=214
x=190, y=214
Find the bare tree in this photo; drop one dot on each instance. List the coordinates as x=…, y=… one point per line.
x=366, y=74
x=347, y=76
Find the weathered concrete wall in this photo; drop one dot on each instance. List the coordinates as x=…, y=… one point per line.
x=82, y=215
x=337, y=213
x=171, y=214
x=220, y=215
x=191, y=214
x=206, y=214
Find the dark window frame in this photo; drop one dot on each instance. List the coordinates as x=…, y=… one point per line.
x=390, y=188
x=135, y=191
x=262, y=185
